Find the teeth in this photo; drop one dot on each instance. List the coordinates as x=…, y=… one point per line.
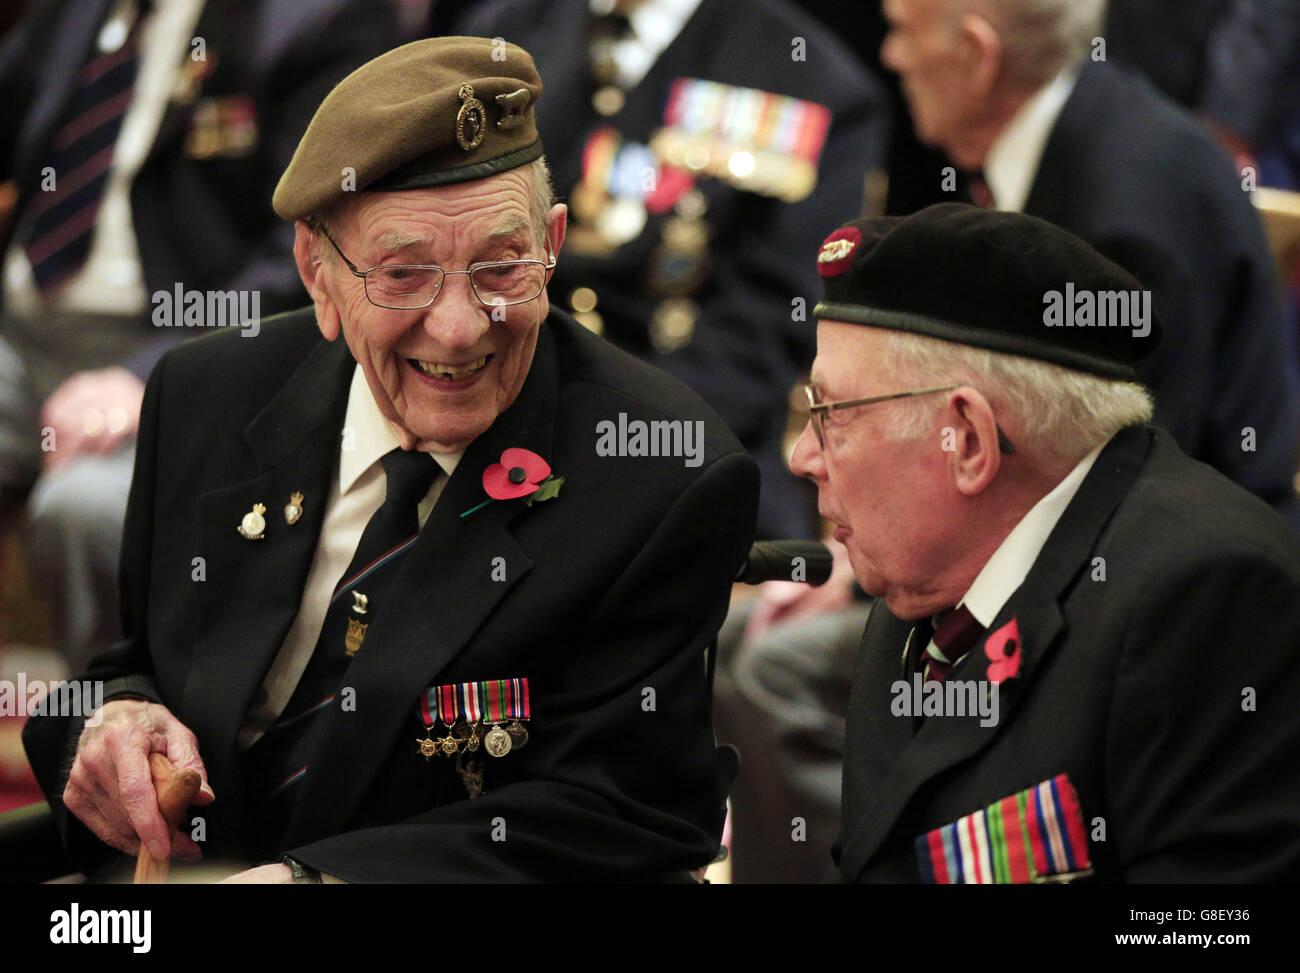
x=447, y=371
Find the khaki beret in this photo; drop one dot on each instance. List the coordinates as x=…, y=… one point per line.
x=430, y=113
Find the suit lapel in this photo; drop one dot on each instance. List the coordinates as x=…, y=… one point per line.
x=890, y=763
x=254, y=587
x=445, y=592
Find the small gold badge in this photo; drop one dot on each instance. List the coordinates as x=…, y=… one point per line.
x=254, y=524
x=359, y=602
x=471, y=120
x=497, y=742
x=513, y=106
x=293, y=509
x=356, y=635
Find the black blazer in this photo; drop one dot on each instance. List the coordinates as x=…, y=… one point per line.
x=751, y=341
x=1132, y=685
x=204, y=221
x=1143, y=182
x=613, y=590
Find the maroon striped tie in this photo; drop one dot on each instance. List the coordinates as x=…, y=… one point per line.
x=955, y=632
x=80, y=155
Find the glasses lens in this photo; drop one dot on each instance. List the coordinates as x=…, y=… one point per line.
x=509, y=282
x=814, y=416
x=403, y=287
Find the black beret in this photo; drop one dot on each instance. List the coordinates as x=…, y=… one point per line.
x=429, y=113
x=1003, y=281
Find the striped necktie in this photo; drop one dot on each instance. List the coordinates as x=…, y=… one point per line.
x=80, y=155
x=955, y=632
x=276, y=764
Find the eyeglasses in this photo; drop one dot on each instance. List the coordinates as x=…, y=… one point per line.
x=818, y=409
x=410, y=287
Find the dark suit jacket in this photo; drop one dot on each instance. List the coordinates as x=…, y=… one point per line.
x=749, y=346
x=1132, y=685
x=1142, y=181
x=203, y=221
x=613, y=591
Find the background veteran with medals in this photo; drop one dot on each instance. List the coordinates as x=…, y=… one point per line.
x=704, y=148
x=1083, y=658
x=379, y=588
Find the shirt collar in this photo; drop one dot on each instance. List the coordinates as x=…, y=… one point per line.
x=654, y=25
x=1007, y=569
x=367, y=437
x=1012, y=162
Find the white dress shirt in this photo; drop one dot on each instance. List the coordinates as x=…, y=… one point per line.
x=1012, y=162
x=356, y=491
x=1007, y=569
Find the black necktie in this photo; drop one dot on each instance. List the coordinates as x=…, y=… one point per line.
x=80, y=155
x=277, y=763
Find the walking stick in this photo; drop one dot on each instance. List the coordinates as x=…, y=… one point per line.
x=176, y=789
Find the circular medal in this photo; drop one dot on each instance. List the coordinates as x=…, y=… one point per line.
x=497, y=742
x=518, y=734
x=621, y=221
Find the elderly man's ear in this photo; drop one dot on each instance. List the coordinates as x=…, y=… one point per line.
x=309, y=254
x=974, y=455
x=557, y=221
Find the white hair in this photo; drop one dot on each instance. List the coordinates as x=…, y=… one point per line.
x=539, y=206
x=1040, y=37
x=1060, y=414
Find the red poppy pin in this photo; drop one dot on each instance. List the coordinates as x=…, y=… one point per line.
x=1003, y=650
x=520, y=473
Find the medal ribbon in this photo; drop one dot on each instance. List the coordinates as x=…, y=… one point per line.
x=493, y=701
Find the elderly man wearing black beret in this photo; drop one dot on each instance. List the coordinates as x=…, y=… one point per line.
x=420, y=579
x=1083, y=660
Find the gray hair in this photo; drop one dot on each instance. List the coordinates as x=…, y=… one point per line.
x=539, y=205
x=1062, y=414
x=1040, y=37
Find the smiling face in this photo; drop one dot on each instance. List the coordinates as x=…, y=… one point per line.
x=891, y=501
x=440, y=375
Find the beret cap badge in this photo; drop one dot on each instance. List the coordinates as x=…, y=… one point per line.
x=837, y=251
x=471, y=120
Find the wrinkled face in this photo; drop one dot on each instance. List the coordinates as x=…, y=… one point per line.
x=440, y=375
x=888, y=499
x=922, y=46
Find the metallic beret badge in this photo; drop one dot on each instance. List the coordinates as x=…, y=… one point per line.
x=471, y=120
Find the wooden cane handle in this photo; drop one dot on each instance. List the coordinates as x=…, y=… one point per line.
x=176, y=790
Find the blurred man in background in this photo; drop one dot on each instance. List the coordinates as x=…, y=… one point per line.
x=140, y=143
x=705, y=146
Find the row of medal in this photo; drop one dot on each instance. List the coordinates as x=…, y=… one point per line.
x=465, y=708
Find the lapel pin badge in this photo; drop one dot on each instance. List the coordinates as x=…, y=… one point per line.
x=356, y=628
x=253, y=526
x=293, y=509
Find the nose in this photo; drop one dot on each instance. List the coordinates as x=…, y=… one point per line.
x=807, y=460
x=456, y=319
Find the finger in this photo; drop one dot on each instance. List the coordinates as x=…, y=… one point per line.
x=183, y=751
x=93, y=808
x=185, y=848
x=139, y=801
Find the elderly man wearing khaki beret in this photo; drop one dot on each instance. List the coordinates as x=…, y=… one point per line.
x=419, y=579
x=1082, y=660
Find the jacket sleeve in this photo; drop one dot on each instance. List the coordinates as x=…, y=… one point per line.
x=1200, y=749
x=629, y=785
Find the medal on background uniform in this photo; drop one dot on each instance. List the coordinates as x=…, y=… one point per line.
x=356, y=628
x=253, y=526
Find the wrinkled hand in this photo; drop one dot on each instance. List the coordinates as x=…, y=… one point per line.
x=784, y=601
x=92, y=413
x=276, y=874
x=110, y=788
